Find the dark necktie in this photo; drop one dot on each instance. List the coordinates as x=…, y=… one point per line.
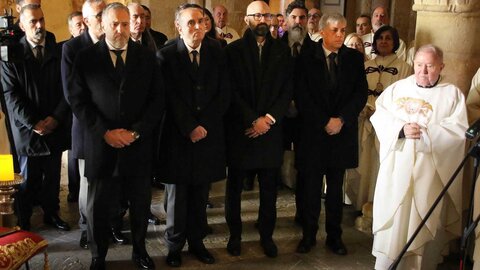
x=295, y=49
x=39, y=53
x=332, y=69
x=195, y=60
x=119, y=64
x=260, y=47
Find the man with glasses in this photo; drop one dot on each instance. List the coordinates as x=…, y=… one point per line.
x=314, y=16
x=254, y=122
x=91, y=10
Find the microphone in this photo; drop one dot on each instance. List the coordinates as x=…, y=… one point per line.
x=473, y=131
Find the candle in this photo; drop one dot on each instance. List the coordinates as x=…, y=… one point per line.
x=6, y=168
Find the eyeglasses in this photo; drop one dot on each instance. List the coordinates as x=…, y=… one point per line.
x=258, y=16
x=315, y=16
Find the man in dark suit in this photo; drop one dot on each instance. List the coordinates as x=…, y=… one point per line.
x=76, y=27
x=39, y=116
x=91, y=10
x=260, y=100
x=301, y=47
x=159, y=37
x=331, y=94
x=118, y=98
x=193, y=144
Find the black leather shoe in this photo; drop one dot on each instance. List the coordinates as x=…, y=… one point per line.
x=152, y=219
x=97, y=264
x=336, y=246
x=269, y=248
x=306, y=245
x=209, y=204
x=143, y=262
x=84, y=240
x=174, y=259
x=57, y=222
x=248, y=184
x=234, y=247
x=202, y=254
x=118, y=237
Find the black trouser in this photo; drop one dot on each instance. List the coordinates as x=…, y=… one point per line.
x=267, y=180
x=186, y=215
x=73, y=174
x=41, y=177
x=312, y=190
x=102, y=197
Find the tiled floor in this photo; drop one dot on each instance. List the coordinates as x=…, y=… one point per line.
x=64, y=252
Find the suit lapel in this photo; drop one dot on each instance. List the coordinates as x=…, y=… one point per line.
x=105, y=58
x=184, y=64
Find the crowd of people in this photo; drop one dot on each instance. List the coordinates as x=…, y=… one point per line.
x=135, y=109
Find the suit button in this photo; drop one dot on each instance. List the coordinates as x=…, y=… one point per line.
x=198, y=108
x=122, y=114
x=199, y=87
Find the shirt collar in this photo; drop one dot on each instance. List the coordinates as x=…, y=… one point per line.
x=190, y=49
x=261, y=43
x=111, y=47
x=328, y=52
x=33, y=45
x=93, y=37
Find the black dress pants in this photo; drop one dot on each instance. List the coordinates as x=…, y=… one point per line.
x=312, y=190
x=267, y=215
x=103, y=197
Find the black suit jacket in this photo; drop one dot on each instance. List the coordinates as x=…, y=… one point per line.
x=158, y=37
x=33, y=91
x=70, y=49
x=102, y=102
x=256, y=91
x=317, y=103
x=194, y=99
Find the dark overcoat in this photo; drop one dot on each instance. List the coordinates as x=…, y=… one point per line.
x=101, y=101
x=33, y=91
x=317, y=102
x=257, y=89
x=194, y=98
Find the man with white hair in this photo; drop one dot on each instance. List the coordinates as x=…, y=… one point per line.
x=420, y=122
x=314, y=16
x=380, y=17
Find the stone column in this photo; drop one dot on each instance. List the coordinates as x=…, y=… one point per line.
x=453, y=26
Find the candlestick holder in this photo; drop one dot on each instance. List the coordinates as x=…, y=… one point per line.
x=7, y=189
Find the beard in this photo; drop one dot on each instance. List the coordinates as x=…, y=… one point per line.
x=120, y=40
x=261, y=30
x=39, y=35
x=297, y=33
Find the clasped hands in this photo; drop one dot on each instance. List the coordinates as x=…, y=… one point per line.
x=119, y=138
x=334, y=126
x=259, y=127
x=45, y=126
x=412, y=131
x=198, y=134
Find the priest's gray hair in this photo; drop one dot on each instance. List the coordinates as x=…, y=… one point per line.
x=331, y=17
x=430, y=48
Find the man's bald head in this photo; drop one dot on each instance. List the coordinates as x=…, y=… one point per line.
x=220, y=15
x=379, y=17
x=258, y=7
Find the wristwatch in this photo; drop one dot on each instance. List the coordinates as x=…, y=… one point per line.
x=135, y=135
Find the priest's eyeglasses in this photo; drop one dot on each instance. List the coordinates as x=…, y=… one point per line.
x=258, y=16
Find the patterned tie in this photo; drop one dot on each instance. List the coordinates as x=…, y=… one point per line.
x=195, y=60
x=119, y=64
x=39, y=53
x=332, y=69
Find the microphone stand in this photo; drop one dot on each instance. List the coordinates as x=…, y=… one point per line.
x=473, y=150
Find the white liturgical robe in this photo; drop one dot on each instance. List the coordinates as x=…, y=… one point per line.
x=414, y=171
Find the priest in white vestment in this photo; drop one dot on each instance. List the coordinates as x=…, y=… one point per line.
x=473, y=107
x=420, y=122
x=381, y=72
